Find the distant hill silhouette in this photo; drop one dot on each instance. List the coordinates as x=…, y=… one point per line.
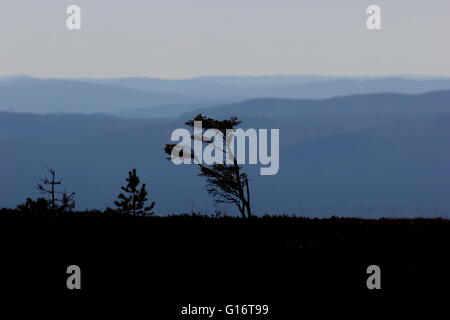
x=67, y=96
x=365, y=155
x=368, y=104
x=294, y=87
x=157, y=98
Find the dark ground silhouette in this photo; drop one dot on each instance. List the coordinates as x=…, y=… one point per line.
x=158, y=264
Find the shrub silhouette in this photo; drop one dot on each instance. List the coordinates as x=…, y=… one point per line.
x=39, y=207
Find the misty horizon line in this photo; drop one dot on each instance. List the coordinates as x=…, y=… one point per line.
x=411, y=76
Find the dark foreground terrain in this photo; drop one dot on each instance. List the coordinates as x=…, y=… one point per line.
x=157, y=265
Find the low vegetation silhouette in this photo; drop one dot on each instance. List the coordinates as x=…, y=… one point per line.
x=269, y=257
x=131, y=201
x=55, y=202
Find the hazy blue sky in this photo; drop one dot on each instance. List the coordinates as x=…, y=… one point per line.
x=186, y=38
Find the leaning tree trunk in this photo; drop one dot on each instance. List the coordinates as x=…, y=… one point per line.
x=240, y=189
x=249, y=211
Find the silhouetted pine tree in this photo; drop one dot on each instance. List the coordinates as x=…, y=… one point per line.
x=225, y=182
x=48, y=187
x=51, y=190
x=133, y=200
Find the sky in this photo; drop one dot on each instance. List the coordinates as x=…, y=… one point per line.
x=188, y=38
